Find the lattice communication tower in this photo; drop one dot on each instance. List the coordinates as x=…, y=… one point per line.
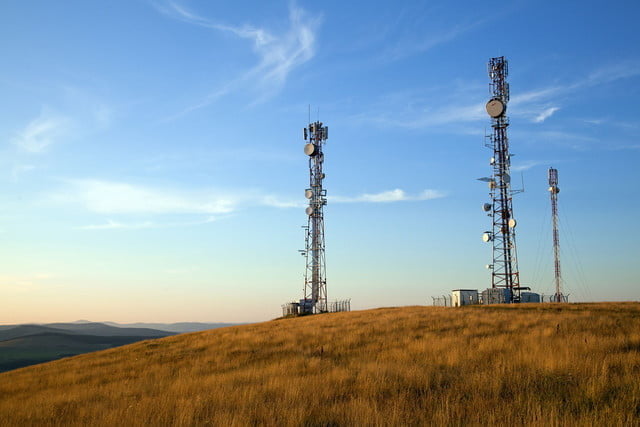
x=504, y=269
x=554, y=190
x=315, y=282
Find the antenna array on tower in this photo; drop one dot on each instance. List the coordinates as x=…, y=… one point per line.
x=504, y=269
x=315, y=282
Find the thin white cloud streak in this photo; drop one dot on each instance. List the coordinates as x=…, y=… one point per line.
x=41, y=132
x=279, y=54
x=108, y=197
x=116, y=225
x=526, y=165
x=274, y=202
x=545, y=114
x=396, y=195
x=117, y=198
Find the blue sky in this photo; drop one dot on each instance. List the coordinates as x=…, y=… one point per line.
x=151, y=158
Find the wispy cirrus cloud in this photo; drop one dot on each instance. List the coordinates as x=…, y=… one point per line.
x=396, y=195
x=544, y=115
x=41, y=132
x=527, y=164
x=279, y=54
x=415, y=46
x=536, y=105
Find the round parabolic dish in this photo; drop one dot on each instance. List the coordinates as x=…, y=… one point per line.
x=506, y=178
x=309, y=149
x=495, y=108
x=309, y=210
x=486, y=207
x=513, y=223
x=308, y=194
x=486, y=237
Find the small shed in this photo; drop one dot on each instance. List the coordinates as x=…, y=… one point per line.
x=526, y=297
x=460, y=297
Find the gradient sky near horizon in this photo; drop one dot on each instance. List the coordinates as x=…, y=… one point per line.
x=151, y=158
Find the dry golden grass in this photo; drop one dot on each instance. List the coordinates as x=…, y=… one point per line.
x=528, y=364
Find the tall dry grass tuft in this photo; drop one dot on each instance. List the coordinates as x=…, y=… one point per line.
x=534, y=364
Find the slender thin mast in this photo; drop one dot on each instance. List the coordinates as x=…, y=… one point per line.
x=553, y=191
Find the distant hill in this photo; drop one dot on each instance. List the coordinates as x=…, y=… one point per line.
x=24, y=345
x=511, y=364
x=180, y=327
x=94, y=328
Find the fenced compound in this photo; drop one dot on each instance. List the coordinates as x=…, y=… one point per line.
x=442, y=301
x=340, y=305
x=554, y=298
x=302, y=307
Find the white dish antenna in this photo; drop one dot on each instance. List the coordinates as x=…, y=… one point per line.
x=309, y=210
x=309, y=149
x=506, y=178
x=308, y=193
x=554, y=189
x=487, y=237
x=492, y=160
x=512, y=223
x=495, y=108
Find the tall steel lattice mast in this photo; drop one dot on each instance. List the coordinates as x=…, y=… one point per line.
x=554, y=190
x=504, y=273
x=315, y=282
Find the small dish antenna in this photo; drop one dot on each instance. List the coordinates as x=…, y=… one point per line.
x=309, y=210
x=309, y=149
x=512, y=223
x=487, y=207
x=308, y=193
x=487, y=237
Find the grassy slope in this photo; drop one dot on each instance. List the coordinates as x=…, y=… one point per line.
x=537, y=364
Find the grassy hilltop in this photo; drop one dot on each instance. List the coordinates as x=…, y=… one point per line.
x=539, y=364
